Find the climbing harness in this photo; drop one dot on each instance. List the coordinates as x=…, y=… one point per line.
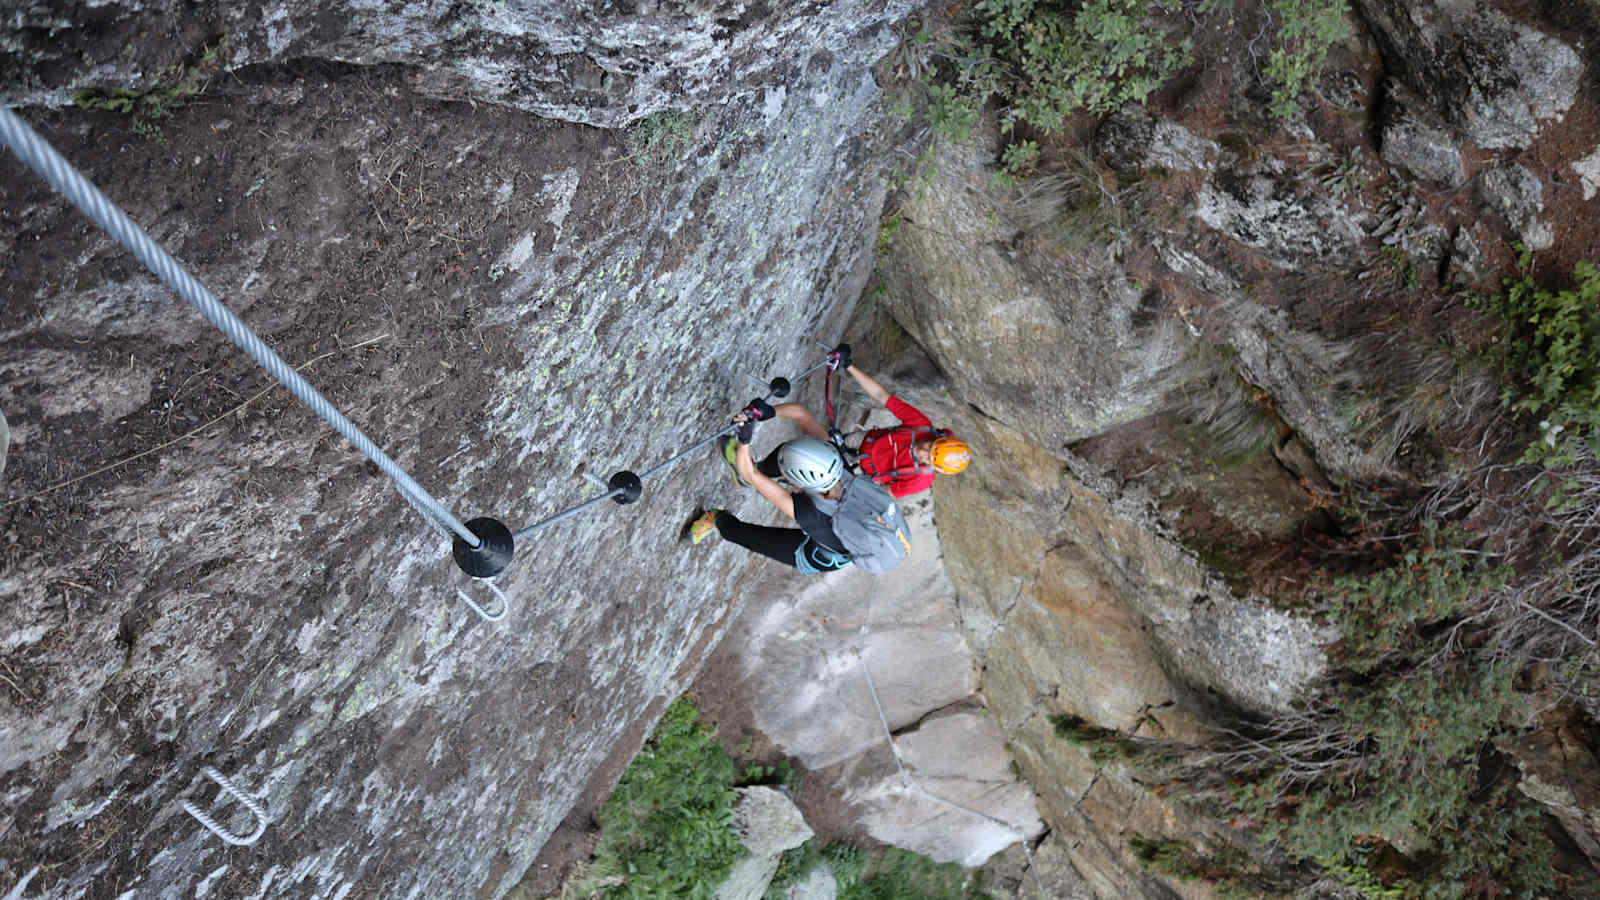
x=233, y=790
x=834, y=434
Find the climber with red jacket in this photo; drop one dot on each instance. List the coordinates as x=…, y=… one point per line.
x=905, y=459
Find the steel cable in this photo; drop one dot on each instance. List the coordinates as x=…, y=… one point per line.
x=52, y=167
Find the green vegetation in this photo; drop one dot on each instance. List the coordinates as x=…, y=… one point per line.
x=1104, y=745
x=666, y=830
x=660, y=137
x=1227, y=869
x=887, y=874
x=1381, y=615
x=1394, y=754
x=1306, y=29
x=888, y=227
x=172, y=87
x=1045, y=61
x=1553, y=351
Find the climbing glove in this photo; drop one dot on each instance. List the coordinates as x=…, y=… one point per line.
x=839, y=357
x=759, y=410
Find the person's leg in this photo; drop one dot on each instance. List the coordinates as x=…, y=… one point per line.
x=769, y=464
x=824, y=560
x=774, y=543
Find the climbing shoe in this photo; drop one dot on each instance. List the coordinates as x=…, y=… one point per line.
x=730, y=451
x=704, y=526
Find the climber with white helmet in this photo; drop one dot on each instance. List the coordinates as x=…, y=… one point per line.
x=816, y=468
x=905, y=459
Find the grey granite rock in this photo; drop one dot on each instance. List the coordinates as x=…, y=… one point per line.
x=1412, y=139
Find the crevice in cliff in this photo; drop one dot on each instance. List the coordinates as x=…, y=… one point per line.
x=962, y=705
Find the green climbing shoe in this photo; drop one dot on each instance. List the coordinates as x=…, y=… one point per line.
x=704, y=526
x=730, y=451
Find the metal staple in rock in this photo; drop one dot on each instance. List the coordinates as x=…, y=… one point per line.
x=52, y=167
x=228, y=787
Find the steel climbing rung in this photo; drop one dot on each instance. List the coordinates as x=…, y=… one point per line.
x=228, y=787
x=505, y=604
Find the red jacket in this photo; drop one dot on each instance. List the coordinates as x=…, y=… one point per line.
x=886, y=452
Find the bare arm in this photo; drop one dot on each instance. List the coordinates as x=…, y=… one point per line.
x=768, y=488
x=870, y=385
x=802, y=417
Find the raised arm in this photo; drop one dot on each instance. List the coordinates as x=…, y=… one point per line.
x=870, y=385
x=768, y=488
x=803, y=418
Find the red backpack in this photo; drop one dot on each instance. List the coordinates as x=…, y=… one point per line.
x=894, y=476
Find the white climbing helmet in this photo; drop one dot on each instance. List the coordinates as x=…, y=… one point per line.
x=810, y=464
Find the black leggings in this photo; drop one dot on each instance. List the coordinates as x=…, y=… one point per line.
x=779, y=544
x=769, y=464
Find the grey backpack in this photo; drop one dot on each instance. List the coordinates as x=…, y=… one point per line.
x=869, y=524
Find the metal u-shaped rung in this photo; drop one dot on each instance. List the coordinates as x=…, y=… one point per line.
x=505, y=604
x=228, y=787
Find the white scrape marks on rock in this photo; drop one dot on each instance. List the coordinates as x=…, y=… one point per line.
x=1588, y=170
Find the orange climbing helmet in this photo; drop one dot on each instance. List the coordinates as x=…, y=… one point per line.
x=950, y=455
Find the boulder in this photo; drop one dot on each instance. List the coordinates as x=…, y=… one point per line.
x=1132, y=139
x=1411, y=138
x=1516, y=195
x=957, y=797
x=1465, y=265
x=1289, y=218
x=1588, y=170
x=819, y=884
x=1492, y=79
x=768, y=824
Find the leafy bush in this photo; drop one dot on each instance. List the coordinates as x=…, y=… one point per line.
x=667, y=828
x=1398, y=760
x=660, y=137
x=1553, y=349
x=888, y=874
x=1306, y=29
x=1045, y=61
x=1104, y=745
x=1380, y=614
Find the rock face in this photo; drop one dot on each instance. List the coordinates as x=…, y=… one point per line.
x=1588, y=170
x=1554, y=762
x=1413, y=140
x=994, y=327
x=603, y=64
x=853, y=658
x=1133, y=139
x=1516, y=195
x=504, y=303
x=1267, y=206
x=1494, y=80
x=1070, y=599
